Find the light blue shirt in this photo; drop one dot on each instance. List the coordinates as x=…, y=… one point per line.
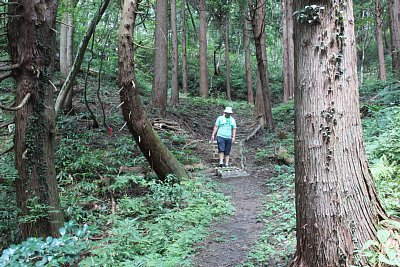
x=225, y=126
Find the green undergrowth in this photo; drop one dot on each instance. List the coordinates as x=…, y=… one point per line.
x=276, y=244
x=160, y=228
x=382, y=144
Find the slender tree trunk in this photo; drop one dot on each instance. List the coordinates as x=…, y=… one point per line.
x=203, y=50
x=337, y=208
x=394, y=10
x=184, y=54
x=379, y=40
x=68, y=106
x=288, y=50
x=79, y=57
x=160, y=82
x=249, y=82
x=227, y=62
x=160, y=158
x=32, y=44
x=257, y=12
x=174, y=36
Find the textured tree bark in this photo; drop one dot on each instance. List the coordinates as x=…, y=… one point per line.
x=257, y=12
x=288, y=50
x=160, y=82
x=174, y=36
x=394, y=14
x=337, y=208
x=227, y=62
x=246, y=34
x=32, y=45
x=161, y=160
x=184, y=54
x=203, y=50
x=379, y=39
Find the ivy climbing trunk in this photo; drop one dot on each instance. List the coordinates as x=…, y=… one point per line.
x=161, y=160
x=337, y=208
x=32, y=44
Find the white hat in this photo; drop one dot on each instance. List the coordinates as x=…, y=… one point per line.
x=228, y=110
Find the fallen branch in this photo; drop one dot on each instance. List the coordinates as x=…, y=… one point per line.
x=5, y=75
x=5, y=125
x=253, y=133
x=10, y=67
x=8, y=150
x=190, y=143
x=26, y=98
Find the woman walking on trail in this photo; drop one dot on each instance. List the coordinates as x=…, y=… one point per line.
x=225, y=128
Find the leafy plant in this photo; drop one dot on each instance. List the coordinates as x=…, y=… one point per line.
x=310, y=14
x=50, y=251
x=386, y=250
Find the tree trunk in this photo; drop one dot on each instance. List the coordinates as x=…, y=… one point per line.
x=379, y=39
x=257, y=13
x=288, y=50
x=161, y=160
x=160, y=82
x=32, y=44
x=394, y=10
x=203, y=50
x=249, y=82
x=184, y=54
x=227, y=62
x=174, y=36
x=337, y=208
x=68, y=106
x=259, y=108
x=79, y=57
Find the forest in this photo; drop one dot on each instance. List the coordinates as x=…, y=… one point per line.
x=211, y=133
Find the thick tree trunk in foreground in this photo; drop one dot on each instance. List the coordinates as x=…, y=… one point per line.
x=184, y=55
x=160, y=158
x=32, y=42
x=336, y=201
x=379, y=39
x=288, y=50
x=257, y=13
x=249, y=82
x=160, y=82
x=203, y=50
x=174, y=41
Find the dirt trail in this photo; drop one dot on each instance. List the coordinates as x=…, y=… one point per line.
x=231, y=240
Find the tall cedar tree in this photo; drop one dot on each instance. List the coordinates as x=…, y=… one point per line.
x=161, y=160
x=288, y=50
x=32, y=42
x=203, y=50
x=160, y=81
x=175, y=57
x=379, y=40
x=257, y=18
x=337, y=208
